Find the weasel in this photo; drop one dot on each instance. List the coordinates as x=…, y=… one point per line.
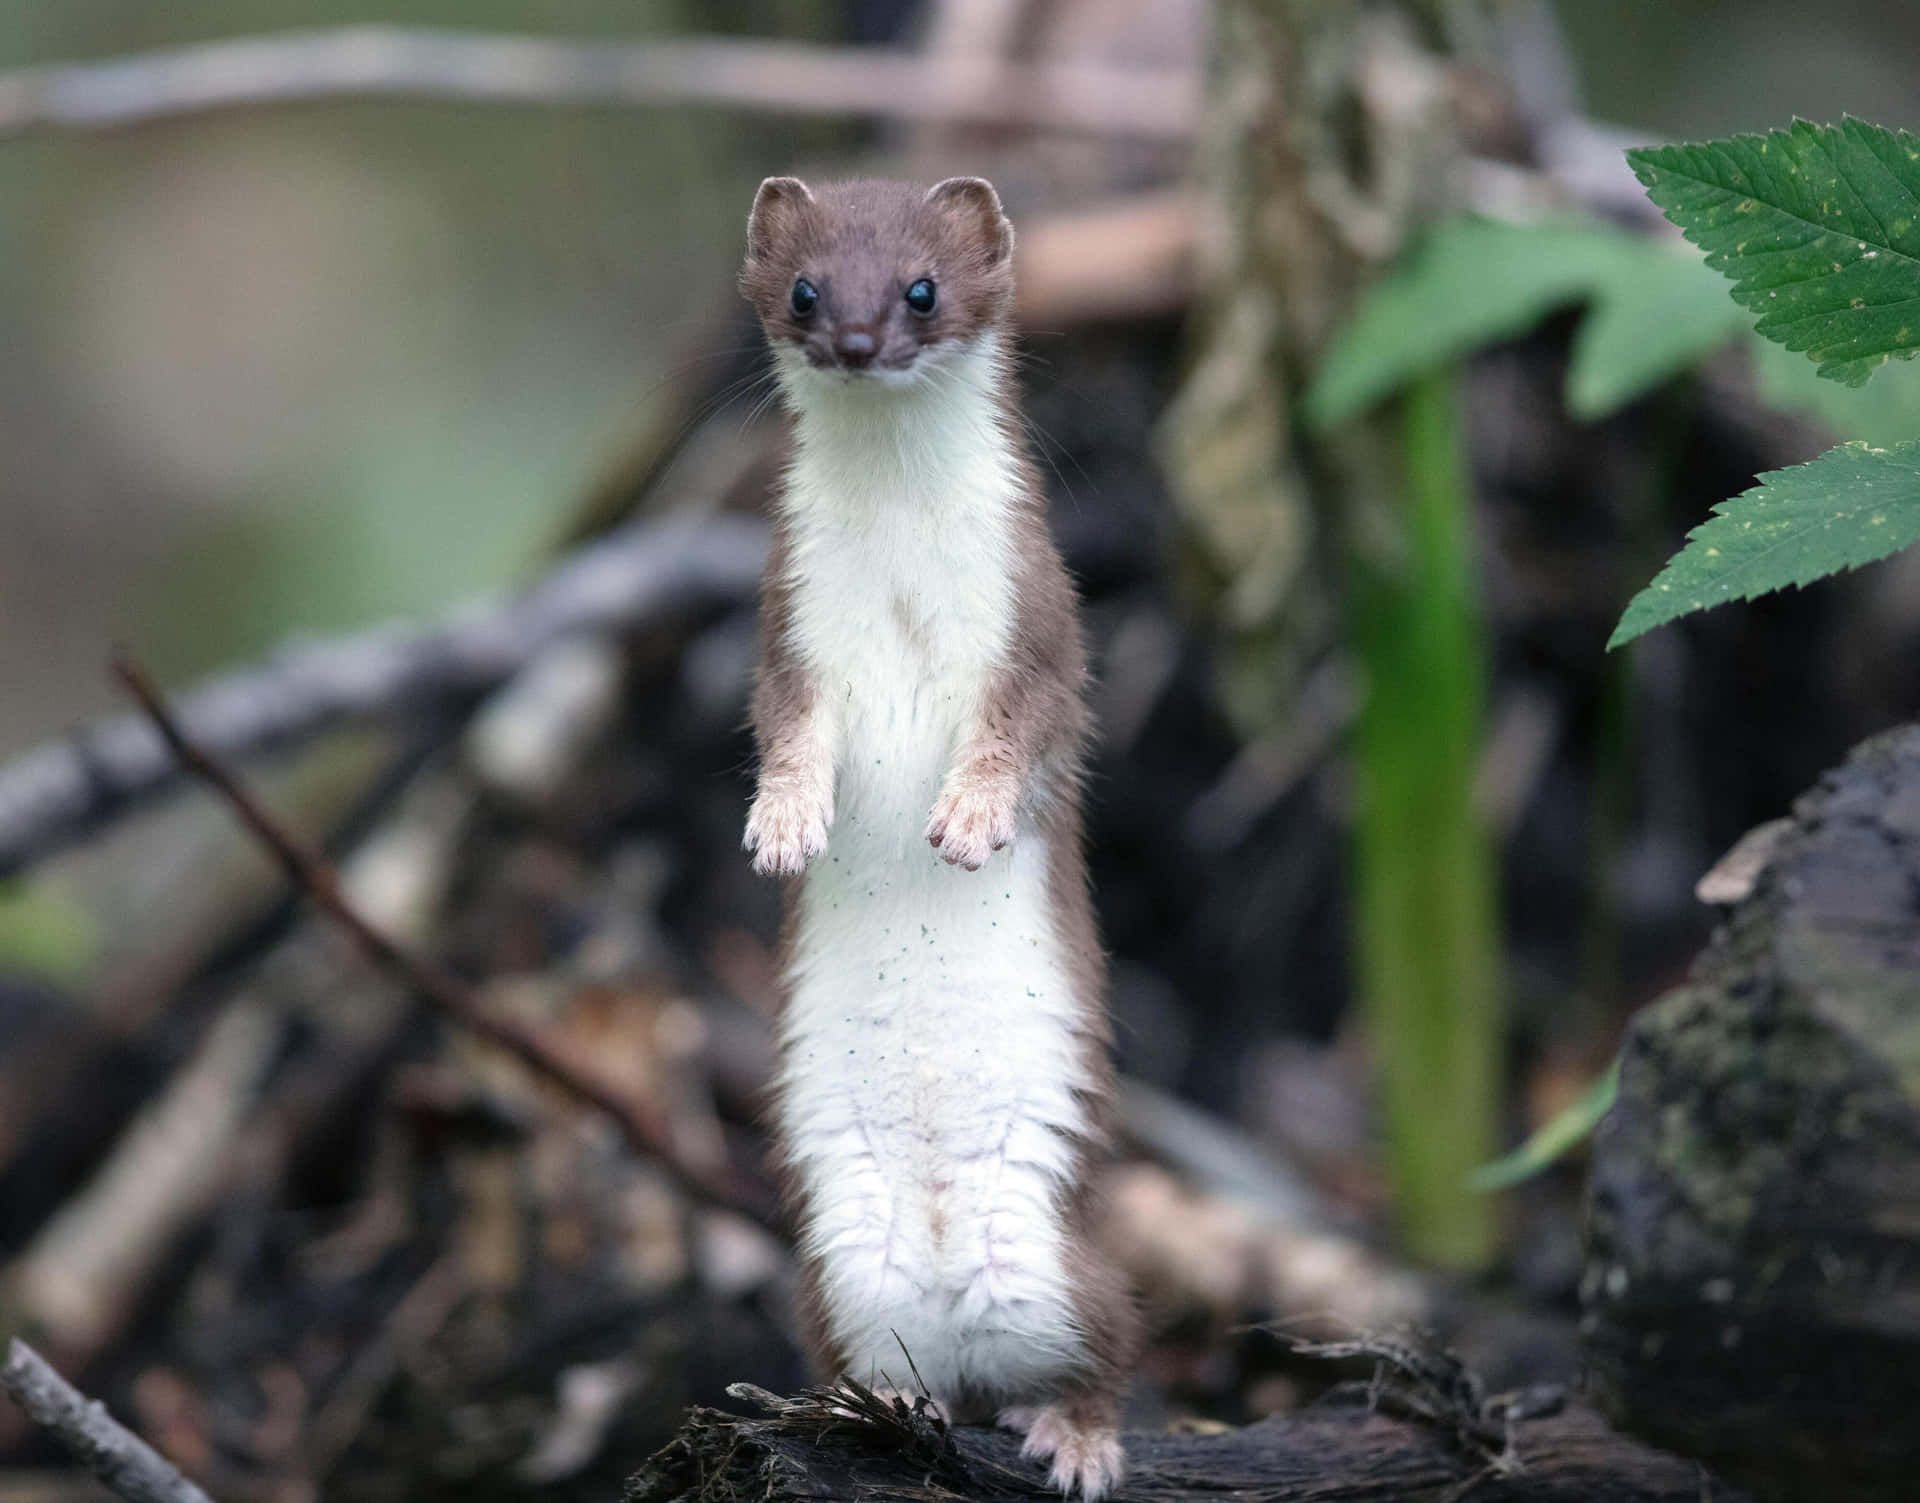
x=944, y=1090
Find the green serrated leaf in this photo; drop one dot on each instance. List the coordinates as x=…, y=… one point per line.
x=1817, y=226
x=1472, y=282
x=1553, y=1138
x=1851, y=506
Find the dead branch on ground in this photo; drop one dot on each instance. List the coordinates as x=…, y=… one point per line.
x=644, y=1127
x=123, y=1462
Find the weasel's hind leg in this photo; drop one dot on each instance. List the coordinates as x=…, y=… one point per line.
x=1018, y=1418
x=1080, y=1434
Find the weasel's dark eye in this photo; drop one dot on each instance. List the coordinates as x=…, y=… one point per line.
x=805, y=298
x=920, y=297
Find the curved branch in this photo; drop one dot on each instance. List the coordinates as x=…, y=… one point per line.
x=789, y=78
x=643, y=1125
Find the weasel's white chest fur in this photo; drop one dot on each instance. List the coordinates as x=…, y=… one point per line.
x=930, y=1065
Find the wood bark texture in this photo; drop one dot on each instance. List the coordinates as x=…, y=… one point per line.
x=1753, y=1287
x=1339, y=1451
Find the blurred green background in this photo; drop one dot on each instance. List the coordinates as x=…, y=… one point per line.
x=291, y=369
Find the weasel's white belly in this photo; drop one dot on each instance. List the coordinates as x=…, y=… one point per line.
x=929, y=1075
x=927, y=1098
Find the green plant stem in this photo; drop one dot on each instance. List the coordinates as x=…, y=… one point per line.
x=1426, y=920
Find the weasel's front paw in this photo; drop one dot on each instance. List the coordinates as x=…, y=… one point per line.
x=970, y=823
x=785, y=832
x=1087, y=1457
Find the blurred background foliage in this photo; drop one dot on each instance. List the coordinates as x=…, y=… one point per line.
x=291, y=369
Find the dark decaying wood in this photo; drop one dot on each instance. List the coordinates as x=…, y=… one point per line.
x=845, y=1445
x=1753, y=1287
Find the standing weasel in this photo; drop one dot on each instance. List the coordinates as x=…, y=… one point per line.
x=944, y=1090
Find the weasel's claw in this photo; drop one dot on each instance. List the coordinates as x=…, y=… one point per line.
x=969, y=824
x=784, y=834
x=1088, y=1461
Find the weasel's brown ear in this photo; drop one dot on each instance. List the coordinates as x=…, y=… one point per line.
x=973, y=199
x=775, y=208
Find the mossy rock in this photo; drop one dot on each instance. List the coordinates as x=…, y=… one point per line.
x=1753, y=1281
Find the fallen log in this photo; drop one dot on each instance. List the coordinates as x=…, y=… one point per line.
x=842, y=1444
x=1753, y=1283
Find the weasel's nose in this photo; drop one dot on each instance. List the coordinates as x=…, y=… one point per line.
x=854, y=347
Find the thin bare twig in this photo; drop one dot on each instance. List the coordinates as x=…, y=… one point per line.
x=214, y=1128
x=124, y=1463
x=58, y=792
x=645, y=1128
x=789, y=78
x=74, y=1280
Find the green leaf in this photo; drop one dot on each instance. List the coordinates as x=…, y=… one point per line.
x=1474, y=282
x=1655, y=314
x=1817, y=226
x=1851, y=506
x=1471, y=282
x=1553, y=1138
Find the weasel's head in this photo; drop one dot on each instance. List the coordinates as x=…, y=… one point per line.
x=871, y=281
